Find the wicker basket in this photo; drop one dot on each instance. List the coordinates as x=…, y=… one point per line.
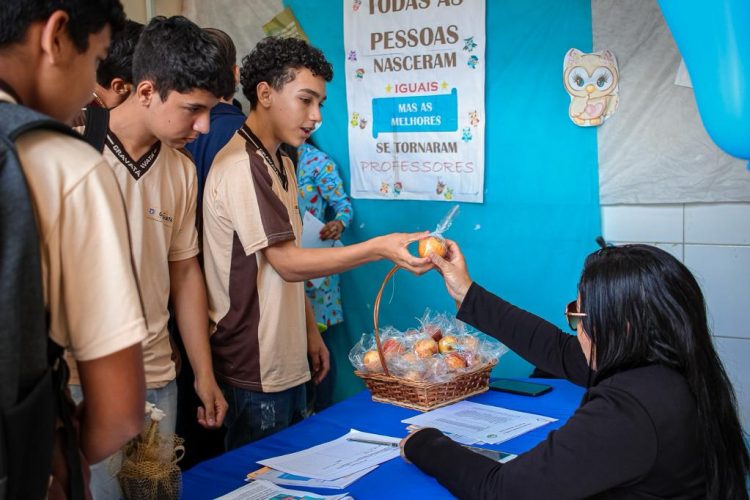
x=422, y=396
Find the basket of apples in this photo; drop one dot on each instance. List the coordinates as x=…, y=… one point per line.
x=424, y=368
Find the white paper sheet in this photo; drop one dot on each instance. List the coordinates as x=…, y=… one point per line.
x=279, y=477
x=489, y=424
x=263, y=490
x=337, y=458
x=311, y=227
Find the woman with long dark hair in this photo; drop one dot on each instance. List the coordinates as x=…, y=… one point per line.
x=659, y=418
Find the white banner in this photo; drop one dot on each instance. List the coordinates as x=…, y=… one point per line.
x=415, y=97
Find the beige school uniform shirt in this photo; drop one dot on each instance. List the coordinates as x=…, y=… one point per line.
x=160, y=191
x=259, y=339
x=90, y=290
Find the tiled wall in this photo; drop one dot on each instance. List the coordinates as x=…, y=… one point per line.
x=713, y=240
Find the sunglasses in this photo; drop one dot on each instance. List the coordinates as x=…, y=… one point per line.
x=574, y=317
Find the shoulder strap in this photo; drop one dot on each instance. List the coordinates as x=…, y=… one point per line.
x=97, y=123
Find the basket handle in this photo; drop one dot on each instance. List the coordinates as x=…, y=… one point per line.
x=376, y=313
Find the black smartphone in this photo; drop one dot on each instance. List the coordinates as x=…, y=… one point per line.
x=519, y=387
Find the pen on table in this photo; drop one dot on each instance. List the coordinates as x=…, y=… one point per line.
x=372, y=441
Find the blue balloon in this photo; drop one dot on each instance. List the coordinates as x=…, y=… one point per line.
x=714, y=39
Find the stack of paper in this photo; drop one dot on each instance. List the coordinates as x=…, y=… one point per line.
x=471, y=423
x=279, y=477
x=335, y=464
x=263, y=490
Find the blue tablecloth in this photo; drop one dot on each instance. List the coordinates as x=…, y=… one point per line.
x=393, y=479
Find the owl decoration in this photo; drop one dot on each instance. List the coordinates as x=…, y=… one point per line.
x=592, y=82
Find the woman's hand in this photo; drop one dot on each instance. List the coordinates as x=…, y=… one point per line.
x=332, y=230
x=453, y=269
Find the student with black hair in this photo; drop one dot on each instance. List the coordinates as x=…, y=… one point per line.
x=178, y=77
x=659, y=418
x=66, y=262
x=114, y=76
x=113, y=84
x=263, y=327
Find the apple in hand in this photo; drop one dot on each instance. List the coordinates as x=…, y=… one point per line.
x=432, y=244
x=425, y=348
x=371, y=361
x=448, y=343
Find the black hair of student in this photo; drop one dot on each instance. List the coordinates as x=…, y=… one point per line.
x=85, y=17
x=644, y=307
x=276, y=60
x=119, y=61
x=175, y=54
x=228, y=54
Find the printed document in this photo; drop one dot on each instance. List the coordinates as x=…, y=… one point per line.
x=478, y=422
x=263, y=490
x=338, y=458
x=311, y=227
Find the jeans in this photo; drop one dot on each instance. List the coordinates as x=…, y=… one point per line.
x=104, y=484
x=253, y=415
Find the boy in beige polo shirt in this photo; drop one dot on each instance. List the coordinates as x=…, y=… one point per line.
x=48, y=57
x=169, y=106
x=263, y=328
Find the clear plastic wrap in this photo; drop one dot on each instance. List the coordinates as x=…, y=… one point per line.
x=438, y=350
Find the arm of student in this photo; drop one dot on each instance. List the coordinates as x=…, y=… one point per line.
x=188, y=293
x=316, y=348
x=112, y=409
x=298, y=264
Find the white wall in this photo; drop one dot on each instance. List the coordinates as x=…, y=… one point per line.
x=713, y=241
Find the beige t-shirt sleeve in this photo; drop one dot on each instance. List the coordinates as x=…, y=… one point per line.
x=184, y=242
x=259, y=216
x=95, y=306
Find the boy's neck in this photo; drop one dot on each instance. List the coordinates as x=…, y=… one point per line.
x=263, y=131
x=127, y=121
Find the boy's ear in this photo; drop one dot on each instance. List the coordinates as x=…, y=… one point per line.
x=55, y=37
x=146, y=92
x=120, y=86
x=236, y=72
x=264, y=94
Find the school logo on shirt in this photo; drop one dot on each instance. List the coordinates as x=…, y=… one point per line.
x=159, y=216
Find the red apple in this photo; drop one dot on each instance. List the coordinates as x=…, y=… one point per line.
x=469, y=342
x=425, y=348
x=409, y=357
x=455, y=361
x=448, y=343
x=392, y=347
x=432, y=244
x=371, y=361
x=414, y=375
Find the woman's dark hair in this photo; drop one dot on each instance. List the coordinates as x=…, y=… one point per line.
x=644, y=307
x=175, y=54
x=85, y=17
x=119, y=61
x=275, y=60
x=228, y=54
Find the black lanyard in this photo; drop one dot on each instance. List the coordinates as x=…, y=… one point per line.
x=281, y=173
